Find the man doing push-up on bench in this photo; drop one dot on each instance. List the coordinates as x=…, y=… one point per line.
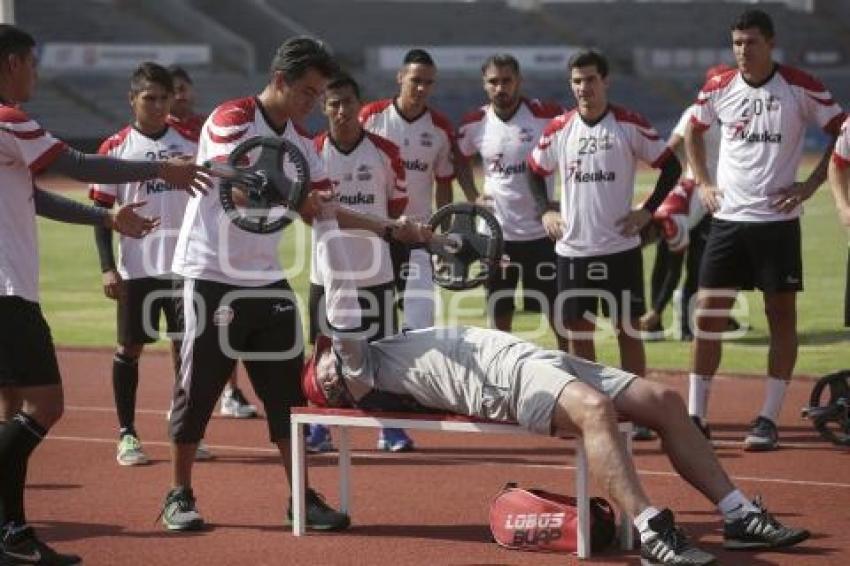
x=495, y=375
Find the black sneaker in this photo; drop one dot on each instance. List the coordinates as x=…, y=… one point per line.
x=320, y=515
x=763, y=436
x=669, y=545
x=23, y=548
x=702, y=426
x=179, y=512
x=759, y=529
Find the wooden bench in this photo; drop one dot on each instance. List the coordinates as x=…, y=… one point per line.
x=343, y=419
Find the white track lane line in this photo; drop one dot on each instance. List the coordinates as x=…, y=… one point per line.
x=442, y=460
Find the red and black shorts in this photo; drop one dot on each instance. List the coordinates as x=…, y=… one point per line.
x=27, y=355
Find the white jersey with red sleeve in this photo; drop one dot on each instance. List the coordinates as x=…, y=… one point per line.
x=150, y=256
x=841, y=153
x=763, y=129
x=25, y=151
x=368, y=178
x=210, y=246
x=504, y=146
x=425, y=144
x=597, y=163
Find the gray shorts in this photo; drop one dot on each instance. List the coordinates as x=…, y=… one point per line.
x=538, y=377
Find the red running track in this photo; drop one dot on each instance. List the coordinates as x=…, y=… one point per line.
x=427, y=507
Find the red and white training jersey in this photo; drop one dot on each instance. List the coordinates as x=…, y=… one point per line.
x=504, y=146
x=597, y=163
x=711, y=138
x=190, y=125
x=425, y=144
x=841, y=154
x=152, y=255
x=763, y=129
x=369, y=178
x=210, y=246
x=25, y=151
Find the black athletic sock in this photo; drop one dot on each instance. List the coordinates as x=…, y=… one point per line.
x=125, y=382
x=17, y=441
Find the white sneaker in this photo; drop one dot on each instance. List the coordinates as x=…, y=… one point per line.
x=130, y=451
x=234, y=404
x=202, y=452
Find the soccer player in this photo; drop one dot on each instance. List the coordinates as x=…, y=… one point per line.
x=495, y=375
x=142, y=283
x=596, y=147
x=30, y=382
x=184, y=118
x=503, y=132
x=424, y=137
x=367, y=175
x=840, y=183
x=755, y=233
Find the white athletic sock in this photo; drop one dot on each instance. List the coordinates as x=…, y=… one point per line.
x=700, y=387
x=774, y=394
x=641, y=522
x=735, y=506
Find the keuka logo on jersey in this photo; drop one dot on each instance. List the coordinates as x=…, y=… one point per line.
x=357, y=198
x=576, y=176
x=157, y=186
x=415, y=165
x=759, y=137
x=496, y=167
x=364, y=173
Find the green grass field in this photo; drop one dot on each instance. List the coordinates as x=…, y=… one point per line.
x=80, y=315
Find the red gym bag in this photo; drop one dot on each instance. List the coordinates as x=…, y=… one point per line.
x=533, y=519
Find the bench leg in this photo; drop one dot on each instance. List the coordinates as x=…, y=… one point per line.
x=626, y=528
x=298, y=483
x=582, y=502
x=344, y=451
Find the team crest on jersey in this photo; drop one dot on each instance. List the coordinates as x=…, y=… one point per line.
x=223, y=315
x=426, y=139
x=526, y=135
x=364, y=173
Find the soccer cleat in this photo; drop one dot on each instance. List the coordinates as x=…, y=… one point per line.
x=759, y=529
x=702, y=426
x=319, y=439
x=763, y=436
x=234, y=404
x=22, y=548
x=667, y=544
x=179, y=512
x=202, y=452
x=394, y=440
x=641, y=433
x=320, y=515
x=130, y=451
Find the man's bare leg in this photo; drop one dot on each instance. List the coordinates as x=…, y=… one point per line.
x=580, y=339
x=583, y=410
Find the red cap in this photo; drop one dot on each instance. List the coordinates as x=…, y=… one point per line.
x=309, y=385
x=717, y=70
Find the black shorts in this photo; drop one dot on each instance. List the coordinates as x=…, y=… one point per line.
x=748, y=255
x=223, y=323
x=27, y=355
x=616, y=279
x=532, y=262
x=139, y=311
x=378, y=316
x=400, y=257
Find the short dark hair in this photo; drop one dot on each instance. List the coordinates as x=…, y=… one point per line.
x=758, y=19
x=299, y=54
x=14, y=41
x=343, y=80
x=178, y=72
x=151, y=73
x=419, y=56
x=500, y=60
x=587, y=58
